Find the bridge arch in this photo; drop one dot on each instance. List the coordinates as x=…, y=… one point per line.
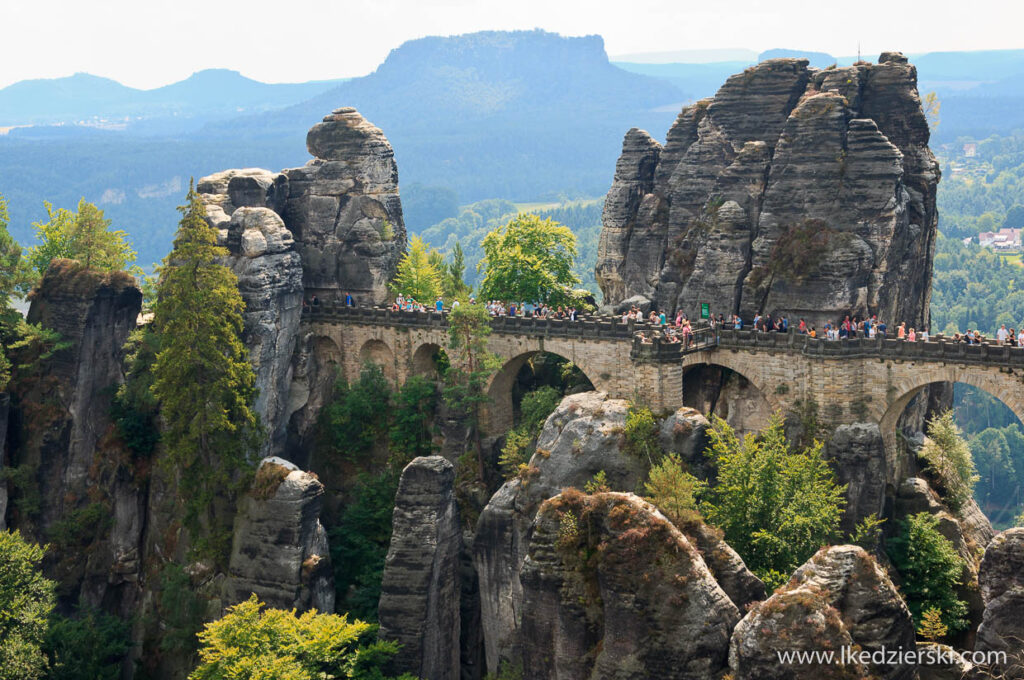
x=1004, y=386
x=378, y=352
x=765, y=397
x=499, y=416
x=426, y=359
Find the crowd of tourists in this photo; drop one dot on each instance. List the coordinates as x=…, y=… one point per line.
x=529, y=309
x=677, y=328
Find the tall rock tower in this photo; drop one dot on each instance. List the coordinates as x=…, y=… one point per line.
x=792, y=191
x=333, y=226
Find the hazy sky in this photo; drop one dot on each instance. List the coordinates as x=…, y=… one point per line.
x=146, y=44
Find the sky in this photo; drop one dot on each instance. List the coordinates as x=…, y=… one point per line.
x=147, y=44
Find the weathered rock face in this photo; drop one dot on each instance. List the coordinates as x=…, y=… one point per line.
x=728, y=395
x=1001, y=578
x=793, y=191
x=582, y=437
x=333, y=226
x=643, y=606
x=420, y=591
x=279, y=548
x=344, y=209
x=839, y=598
x=858, y=457
x=685, y=433
x=262, y=254
x=65, y=440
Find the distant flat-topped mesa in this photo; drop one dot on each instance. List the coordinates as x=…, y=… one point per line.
x=342, y=208
x=792, y=191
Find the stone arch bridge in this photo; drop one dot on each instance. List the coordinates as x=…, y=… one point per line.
x=851, y=380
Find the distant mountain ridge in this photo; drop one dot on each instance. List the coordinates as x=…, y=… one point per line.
x=521, y=115
x=85, y=97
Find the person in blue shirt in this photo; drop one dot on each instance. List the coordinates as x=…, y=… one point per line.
x=349, y=302
x=439, y=305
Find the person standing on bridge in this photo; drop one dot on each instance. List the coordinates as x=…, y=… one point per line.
x=1001, y=335
x=439, y=305
x=901, y=332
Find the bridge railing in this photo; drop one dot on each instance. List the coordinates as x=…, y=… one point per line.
x=935, y=349
x=592, y=326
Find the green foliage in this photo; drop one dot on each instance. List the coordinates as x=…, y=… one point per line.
x=202, y=377
x=515, y=452
x=253, y=643
x=469, y=326
x=454, y=275
x=949, y=460
x=974, y=288
x=529, y=260
x=35, y=346
x=359, y=543
x=84, y=235
x=13, y=274
x=535, y=408
x=506, y=671
x=80, y=527
x=673, y=490
x=931, y=570
x=411, y=432
x=88, y=646
x=417, y=277
x=777, y=506
x=641, y=433
x=26, y=600
x=362, y=533
x=21, y=479
x=355, y=417
x=598, y=483
x=134, y=409
x=868, y=532
x=474, y=221
x=180, y=611
x=537, y=405
x=931, y=627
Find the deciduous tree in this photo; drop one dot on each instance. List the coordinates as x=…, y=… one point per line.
x=253, y=643
x=84, y=235
x=26, y=600
x=529, y=260
x=776, y=506
x=417, y=277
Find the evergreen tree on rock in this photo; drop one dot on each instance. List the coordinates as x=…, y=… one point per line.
x=203, y=378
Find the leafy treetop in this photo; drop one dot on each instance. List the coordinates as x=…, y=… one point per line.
x=776, y=506
x=417, y=276
x=529, y=260
x=26, y=600
x=84, y=235
x=250, y=643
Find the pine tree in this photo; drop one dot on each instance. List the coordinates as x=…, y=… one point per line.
x=931, y=626
x=417, y=277
x=202, y=374
x=455, y=274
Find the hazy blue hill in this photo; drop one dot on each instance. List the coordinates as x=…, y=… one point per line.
x=524, y=114
x=64, y=99
x=695, y=81
x=204, y=95
x=816, y=59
